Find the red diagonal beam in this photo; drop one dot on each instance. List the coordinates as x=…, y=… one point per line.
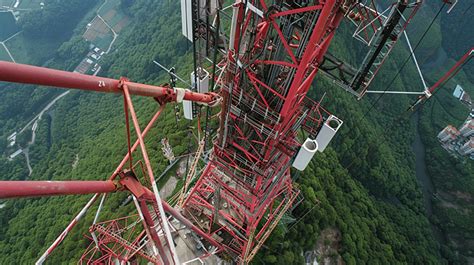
x=284, y=41
x=297, y=10
x=150, y=173
x=453, y=71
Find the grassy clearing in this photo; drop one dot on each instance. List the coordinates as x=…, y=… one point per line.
x=99, y=32
x=104, y=41
x=31, y=52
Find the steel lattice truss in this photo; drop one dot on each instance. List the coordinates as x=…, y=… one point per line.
x=261, y=73
x=273, y=57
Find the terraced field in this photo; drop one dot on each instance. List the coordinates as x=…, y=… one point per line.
x=113, y=15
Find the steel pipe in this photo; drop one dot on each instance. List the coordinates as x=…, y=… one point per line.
x=14, y=189
x=28, y=74
x=176, y=214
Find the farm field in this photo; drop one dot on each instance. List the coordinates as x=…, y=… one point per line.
x=7, y=3
x=30, y=4
x=98, y=31
x=109, y=5
x=113, y=15
x=8, y=25
x=99, y=34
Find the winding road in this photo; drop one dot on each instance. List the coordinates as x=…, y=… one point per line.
x=34, y=121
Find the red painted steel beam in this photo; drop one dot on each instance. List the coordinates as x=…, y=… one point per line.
x=14, y=189
x=143, y=193
x=28, y=74
x=445, y=78
x=21, y=188
x=453, y=71
x=313, y=51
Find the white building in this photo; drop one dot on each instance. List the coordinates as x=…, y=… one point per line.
x=17, y=152
x=12, y=139
x=95, y=56
x=458, y=92
x=467, y=148
x=448, y=134
x=467, y=129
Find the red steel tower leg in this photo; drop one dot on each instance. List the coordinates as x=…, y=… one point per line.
x=246, y=188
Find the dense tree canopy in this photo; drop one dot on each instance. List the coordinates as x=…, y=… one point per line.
x=56, y=20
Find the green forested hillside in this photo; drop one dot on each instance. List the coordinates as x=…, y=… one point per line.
x=453, y=178
x=458, y=26
x=56, y=21
x=363, y=186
